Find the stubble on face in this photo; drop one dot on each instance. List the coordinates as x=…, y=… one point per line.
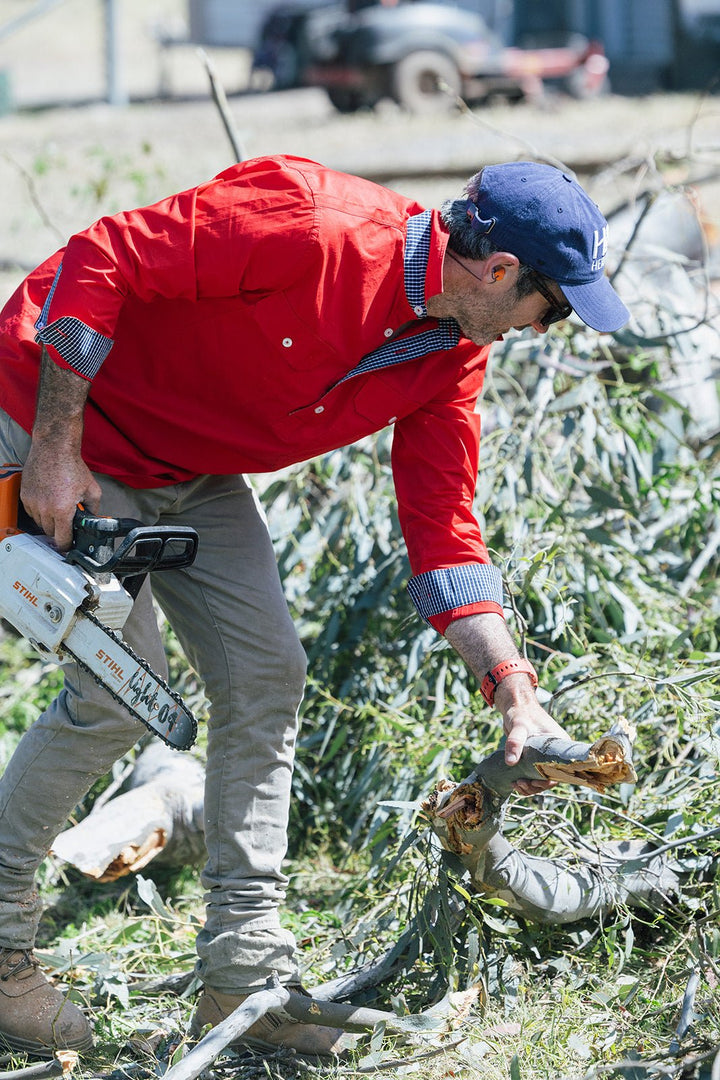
x=481, y=319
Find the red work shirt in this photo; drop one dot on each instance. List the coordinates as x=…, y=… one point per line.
x=263, y=318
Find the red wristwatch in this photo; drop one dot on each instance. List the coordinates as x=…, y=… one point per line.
x=508, y=667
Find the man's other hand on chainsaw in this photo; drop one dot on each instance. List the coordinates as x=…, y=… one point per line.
x=52, y=486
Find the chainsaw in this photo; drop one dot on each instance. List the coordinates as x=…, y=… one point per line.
x=74, y=606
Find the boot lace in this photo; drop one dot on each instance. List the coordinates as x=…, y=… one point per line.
x=25, y=960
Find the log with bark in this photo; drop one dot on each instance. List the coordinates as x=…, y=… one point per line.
x=467, y=818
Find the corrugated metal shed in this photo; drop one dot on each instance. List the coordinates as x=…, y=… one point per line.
x=226, y=22
x=639, y=36
x=637, y=30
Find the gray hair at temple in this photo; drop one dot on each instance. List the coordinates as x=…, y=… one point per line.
x=468, y=242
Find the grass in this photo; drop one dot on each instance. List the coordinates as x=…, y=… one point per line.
x=559, y=1003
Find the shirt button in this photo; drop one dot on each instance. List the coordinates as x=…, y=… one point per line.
x=320, y=408
x=389, y=332
x=419, y=310
x=392, y=419
x=287, y=342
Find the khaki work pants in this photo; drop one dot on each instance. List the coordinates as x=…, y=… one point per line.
x=230, y=616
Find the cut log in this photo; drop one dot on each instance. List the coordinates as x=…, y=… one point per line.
x=160, y=817
x=467, y=819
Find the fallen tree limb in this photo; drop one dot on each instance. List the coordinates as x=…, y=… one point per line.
x=63, y=1064
x=159, y=817
x=227, y=1032
x=34, y=1072
x=552, y=891
x=397, y=958
x=439, y=1018
x=606, y=761
x=467, y=819
x=275, y=998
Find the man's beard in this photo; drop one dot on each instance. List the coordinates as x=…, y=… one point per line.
x=482, y=323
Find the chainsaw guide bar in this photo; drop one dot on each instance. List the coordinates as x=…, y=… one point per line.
x=143, y=693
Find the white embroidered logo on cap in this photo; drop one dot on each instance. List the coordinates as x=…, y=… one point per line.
x=600, y=246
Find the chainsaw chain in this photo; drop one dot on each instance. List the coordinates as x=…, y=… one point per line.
x=146, y=667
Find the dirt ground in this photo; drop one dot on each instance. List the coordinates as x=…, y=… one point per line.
x=61, y=167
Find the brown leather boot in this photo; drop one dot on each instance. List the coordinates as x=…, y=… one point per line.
x=270, y=1033
x=35, y=1018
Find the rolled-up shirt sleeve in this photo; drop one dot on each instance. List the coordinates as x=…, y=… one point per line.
x=435, y=462
x=146, y=252
x=69, y=340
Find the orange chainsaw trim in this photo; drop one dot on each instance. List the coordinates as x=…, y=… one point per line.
x=10, y=476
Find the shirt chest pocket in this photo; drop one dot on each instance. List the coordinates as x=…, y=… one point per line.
x=380, y=402
x=289, y=335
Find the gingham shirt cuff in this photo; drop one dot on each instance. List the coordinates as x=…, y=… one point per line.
x=77, y=344
x=438, y=591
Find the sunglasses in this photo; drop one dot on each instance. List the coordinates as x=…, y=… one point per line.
x=557, y=310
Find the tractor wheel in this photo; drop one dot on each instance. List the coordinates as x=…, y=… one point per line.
x=425, y=82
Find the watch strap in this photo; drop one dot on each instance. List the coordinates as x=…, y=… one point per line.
x=508, y=667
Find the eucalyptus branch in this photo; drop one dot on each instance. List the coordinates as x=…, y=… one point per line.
x=218, y=1038
x=525, y=145
x=396, y=1063
x=658, y=1062
x=683, y=841
x=687, y=1012
x=34, y=1072
x=467, y=819
x=652, y=679
x=221, y=102
x=520, y=620
x=34, y=197
x=310, y=1010
x=649, y=198
x=706, y=555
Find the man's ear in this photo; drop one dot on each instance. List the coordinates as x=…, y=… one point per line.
x=500, y=264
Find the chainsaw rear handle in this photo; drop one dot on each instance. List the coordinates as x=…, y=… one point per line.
x=125, y=547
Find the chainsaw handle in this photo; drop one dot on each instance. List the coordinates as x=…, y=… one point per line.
x=125, y=547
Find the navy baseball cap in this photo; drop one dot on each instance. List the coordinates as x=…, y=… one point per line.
x=543, y=216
